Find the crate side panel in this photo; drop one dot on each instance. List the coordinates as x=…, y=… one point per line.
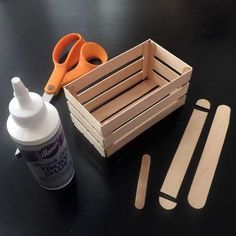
x=88, y=136
x=135, y=108
x=113, y=92
x=165, y=71
x=142, y=127
x=82, y=110
x=106, y=68
x=130, y=125
x=86, y=124
x=170, y=59
x=124, y=99
x=110, y=81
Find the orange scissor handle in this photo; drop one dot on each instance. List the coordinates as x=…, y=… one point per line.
x=89, y=52
x=54, y=83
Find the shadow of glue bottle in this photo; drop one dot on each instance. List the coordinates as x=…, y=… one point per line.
x=35, y=127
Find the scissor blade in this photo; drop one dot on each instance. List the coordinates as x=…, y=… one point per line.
x=47, y=97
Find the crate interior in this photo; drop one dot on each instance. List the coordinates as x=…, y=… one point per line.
x=119, y=96
x=134, y=75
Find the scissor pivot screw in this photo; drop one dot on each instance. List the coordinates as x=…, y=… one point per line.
x=51, y=87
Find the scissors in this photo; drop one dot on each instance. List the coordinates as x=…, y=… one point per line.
x=80, y=59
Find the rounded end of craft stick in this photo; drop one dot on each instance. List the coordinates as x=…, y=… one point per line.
x=167, y=204
x=204, y=103
x=226, y=108
x=197, y=204
x=139, y=206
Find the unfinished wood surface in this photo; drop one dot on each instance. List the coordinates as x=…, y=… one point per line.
x=89, y=137
x=170, y=59
x=82, y=110
x=110, y=81
x=165, y=71
x=150, y=58
x=86, y=124
x=106, y=68
x=142, y=182
x=143, y=103
x=113, y=92
x=144, y=126
x=119, y=91
x=160, y=80
x=205, y=172
x=203, y=103
x=124, y=99
x=167, y=204
x=145, y=59
x=132, y=124
x=183, y=155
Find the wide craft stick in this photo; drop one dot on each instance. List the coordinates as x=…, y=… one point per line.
x=183, y=155
x=142, y=182
x=207, y=166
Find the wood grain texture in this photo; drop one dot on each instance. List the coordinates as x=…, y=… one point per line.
x=124, y=99
x=113, y=92
x=86, y=114
x=144, y=102
x=165, y=71
x=167, y=204
x=86, y=124
x=145, y=59
x=142, y=182
x=106, y=68
x=183, y=155
x=132, y=124
x=89, y=137
x=145, y=125
x=120, y=99
x=205, y=172
x=110, y=81
x=170, y=59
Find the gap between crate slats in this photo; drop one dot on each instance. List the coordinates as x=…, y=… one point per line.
x=110, y=81
x=130, y=125
x=88, y=136
x=132, y=134
x=113, y=92
x=106, y=68
x=146, y=101
x=107, y=141
x=165, y=64
x=165, y=71
x=170, y=59
x=144, y=126
x=86, y=124
x=86, y=114
x=124, y=99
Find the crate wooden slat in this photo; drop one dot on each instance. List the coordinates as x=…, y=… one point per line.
x=120, y=99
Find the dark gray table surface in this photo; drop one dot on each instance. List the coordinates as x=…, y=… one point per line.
x=100, y=200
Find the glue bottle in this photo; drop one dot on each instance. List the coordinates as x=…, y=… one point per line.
x=35, y=127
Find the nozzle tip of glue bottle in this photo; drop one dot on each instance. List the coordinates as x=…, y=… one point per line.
x=18, y=87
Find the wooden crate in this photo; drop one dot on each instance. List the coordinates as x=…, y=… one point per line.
x=117, y=101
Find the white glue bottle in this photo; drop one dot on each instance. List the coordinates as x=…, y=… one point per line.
x=36, y=128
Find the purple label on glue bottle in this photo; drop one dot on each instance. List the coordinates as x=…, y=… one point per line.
x=50, y=162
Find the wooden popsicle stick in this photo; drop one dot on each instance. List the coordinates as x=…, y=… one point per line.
x=183, y=155
x=167, y=204
x=207, y=166
x=142, y=182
